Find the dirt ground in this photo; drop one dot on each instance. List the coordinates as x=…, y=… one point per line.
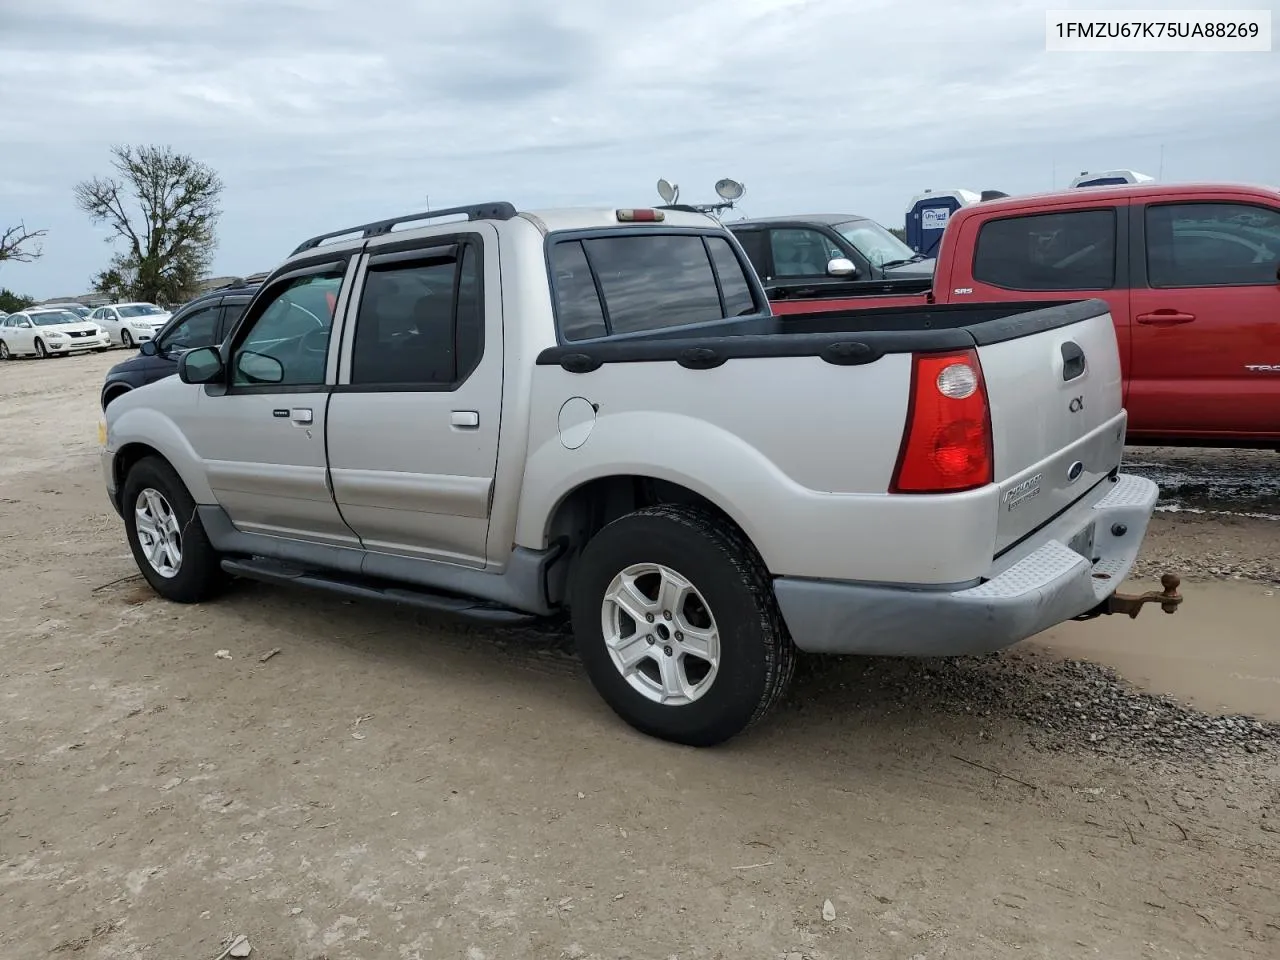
x=390, y=786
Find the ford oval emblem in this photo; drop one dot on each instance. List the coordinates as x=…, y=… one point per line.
x=1074, y=472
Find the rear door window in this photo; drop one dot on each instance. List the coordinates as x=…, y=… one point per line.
x=756, y=248
x=1212, y=245
x=421, y=319
x=230, y=314
x=646, y=282
x=196, y=329
x=1071, y=250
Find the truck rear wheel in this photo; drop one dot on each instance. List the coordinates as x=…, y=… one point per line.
x=676, y=623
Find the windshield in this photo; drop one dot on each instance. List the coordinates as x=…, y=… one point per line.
x=874, y=242
x=53, y=318
x=138, y=310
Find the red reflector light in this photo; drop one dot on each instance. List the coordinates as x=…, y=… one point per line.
x=640, y=216
x=947, y=445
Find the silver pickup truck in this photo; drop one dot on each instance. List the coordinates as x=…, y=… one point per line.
x=505, y=415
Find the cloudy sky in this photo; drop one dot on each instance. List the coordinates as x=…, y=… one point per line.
x=321, y=113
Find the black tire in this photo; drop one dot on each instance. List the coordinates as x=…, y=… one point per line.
x=4, y=352
x=757, y=657
x=200, y=575
x=41, y=350
x=126, y=339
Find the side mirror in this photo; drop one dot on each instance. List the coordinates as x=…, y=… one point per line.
x=148, y=348
x=201, y=366
x=841, y=267
x=255, y=367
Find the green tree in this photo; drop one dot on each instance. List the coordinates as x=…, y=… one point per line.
x=20, y=244
x=899, y=232
x=164, y=206
x=11, y=302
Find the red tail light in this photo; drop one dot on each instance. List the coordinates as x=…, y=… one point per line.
x=947, y=443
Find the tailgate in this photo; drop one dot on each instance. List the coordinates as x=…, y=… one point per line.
x=1057, y=415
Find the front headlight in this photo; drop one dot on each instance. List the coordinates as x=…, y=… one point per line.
x=54, y=335
x=140, y=324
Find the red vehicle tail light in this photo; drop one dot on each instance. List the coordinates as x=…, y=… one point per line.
x=947, y=445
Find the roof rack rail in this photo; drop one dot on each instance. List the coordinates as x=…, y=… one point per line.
x=494, y=210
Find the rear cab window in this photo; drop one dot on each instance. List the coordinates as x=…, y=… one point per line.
x=620, y=283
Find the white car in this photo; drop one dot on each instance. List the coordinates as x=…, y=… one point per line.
x=131, y=323
x=47, y=333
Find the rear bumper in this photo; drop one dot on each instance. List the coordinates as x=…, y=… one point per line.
x=1065, y=570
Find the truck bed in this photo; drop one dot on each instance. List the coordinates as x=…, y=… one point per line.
x=824, y=398
x=841, y=337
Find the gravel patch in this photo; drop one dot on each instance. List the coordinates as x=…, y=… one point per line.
x=1065, y=705
x=1214, y=565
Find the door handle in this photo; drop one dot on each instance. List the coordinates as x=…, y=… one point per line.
x=1164, y=318
x=300, y=415
x=465, y=419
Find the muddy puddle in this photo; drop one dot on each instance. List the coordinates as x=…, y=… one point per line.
x=1242, y=483
x=1219, y=653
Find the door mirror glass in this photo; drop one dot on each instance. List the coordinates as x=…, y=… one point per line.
x=200, y=366
x=148, y=348
x=256, y=367
x=841, y=267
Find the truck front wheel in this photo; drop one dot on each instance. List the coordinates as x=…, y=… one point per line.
x=676, y=623
x=166, y=536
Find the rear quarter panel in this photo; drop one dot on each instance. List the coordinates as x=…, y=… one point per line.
x=797, y=451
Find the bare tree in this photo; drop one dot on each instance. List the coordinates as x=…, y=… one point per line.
x=164, y=206
x=20, y=244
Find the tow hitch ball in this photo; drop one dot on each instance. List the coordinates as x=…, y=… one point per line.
x=1169, y=599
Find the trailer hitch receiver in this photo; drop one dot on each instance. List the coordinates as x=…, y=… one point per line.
x=1131, y=604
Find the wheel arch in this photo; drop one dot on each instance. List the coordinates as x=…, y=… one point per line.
x=114, y=391
x=584, y=510
x=136, y=432
x=128, y=456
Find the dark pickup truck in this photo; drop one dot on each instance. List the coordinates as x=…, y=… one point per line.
x=830, y=255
